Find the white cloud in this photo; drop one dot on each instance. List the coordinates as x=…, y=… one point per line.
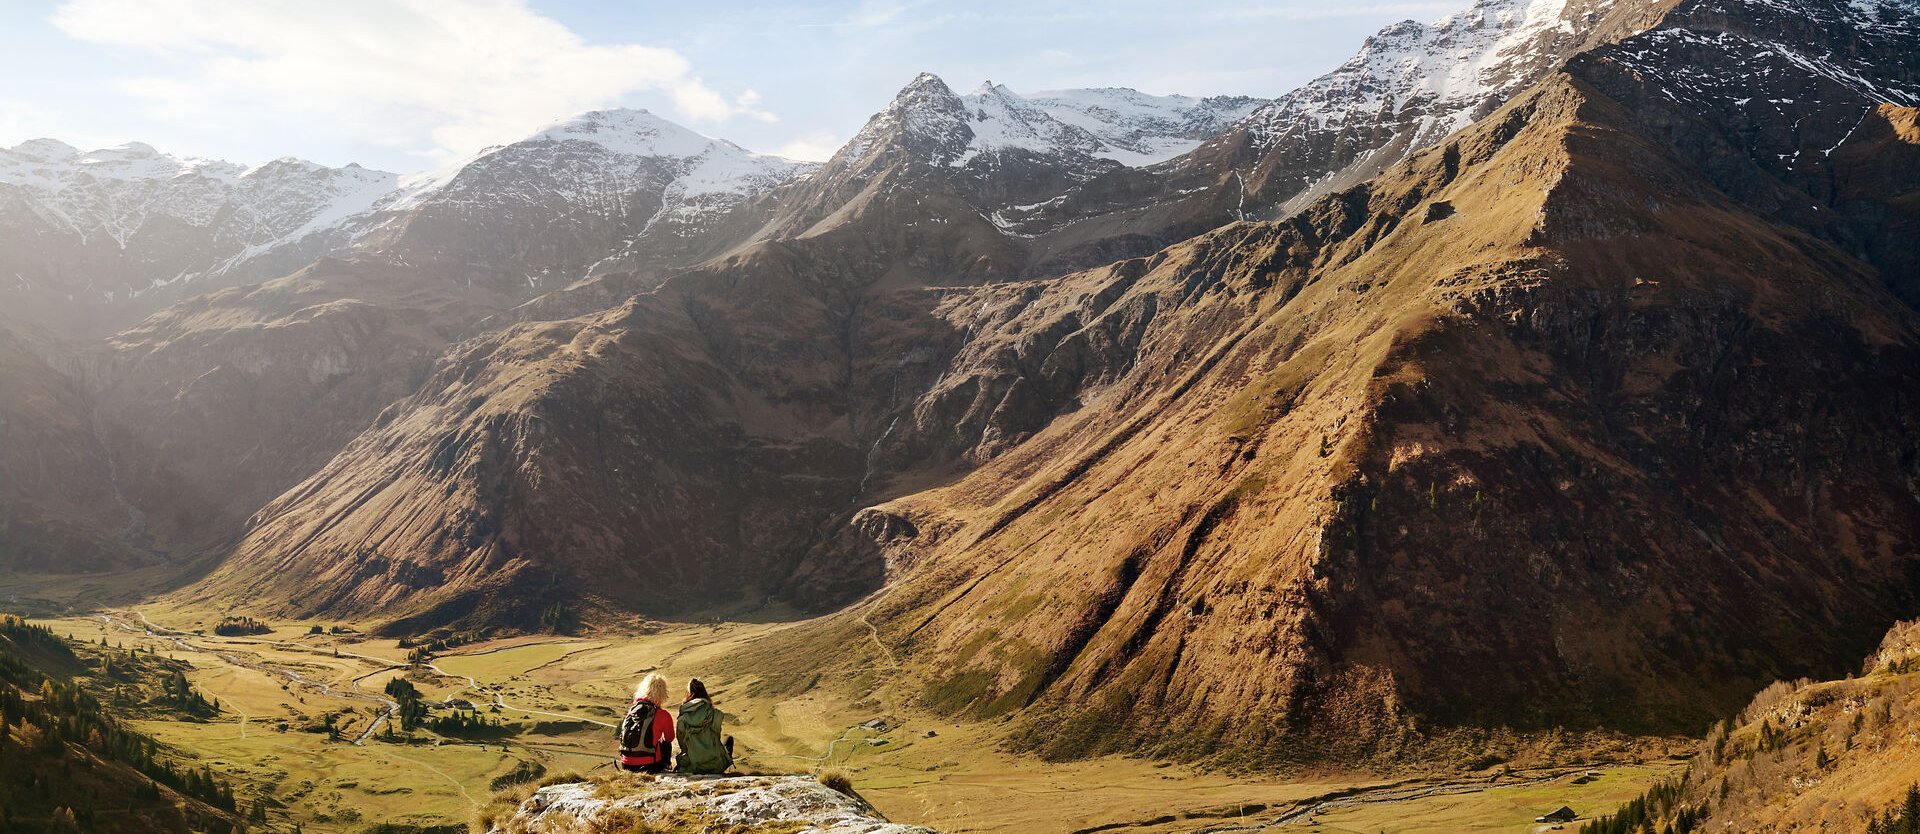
x=818, y=146
x=440, y=77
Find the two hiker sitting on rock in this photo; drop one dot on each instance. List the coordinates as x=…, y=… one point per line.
x=648, y=732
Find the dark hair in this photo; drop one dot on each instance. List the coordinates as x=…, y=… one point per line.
x=697, y=689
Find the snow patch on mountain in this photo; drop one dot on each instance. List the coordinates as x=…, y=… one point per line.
x=207, y=218
x=1802, y=74
x=623, y=142
x=1139, y=129
x=116, y=192
x=1114, y=123
x=1444, y=73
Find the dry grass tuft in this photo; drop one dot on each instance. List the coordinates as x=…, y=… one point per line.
x=560, y=779
x=501, y=806
x=622, y=784
x=836, y=778
x=620, y=821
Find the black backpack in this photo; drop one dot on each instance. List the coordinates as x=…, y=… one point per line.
x=636, y=730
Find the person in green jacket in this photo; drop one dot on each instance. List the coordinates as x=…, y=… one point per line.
x=702, y=748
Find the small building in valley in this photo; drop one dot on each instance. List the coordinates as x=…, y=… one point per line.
x=1565, y=814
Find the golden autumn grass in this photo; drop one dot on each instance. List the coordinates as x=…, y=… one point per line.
x=954, y=775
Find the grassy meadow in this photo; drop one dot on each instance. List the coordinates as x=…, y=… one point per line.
x=293, y=704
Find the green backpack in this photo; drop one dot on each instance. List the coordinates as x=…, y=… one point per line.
x=701, y=747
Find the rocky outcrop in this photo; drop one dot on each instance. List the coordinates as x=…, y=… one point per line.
x=673, y=804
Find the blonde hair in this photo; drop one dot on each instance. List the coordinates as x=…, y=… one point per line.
x=653, y=688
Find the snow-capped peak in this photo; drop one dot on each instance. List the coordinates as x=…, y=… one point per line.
x=113, y=192
x=596, y=170
x=634, y=132
x=47, y=150
x=1137, y=128
x=1001, y=119
x=617, y=145
x=1118, y=124
x=137, y=161
x=1441, y=73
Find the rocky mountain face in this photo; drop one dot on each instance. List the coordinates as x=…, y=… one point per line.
x=1549, y=426
x=1806, y=118
x=1409, y=86
x=99, y=239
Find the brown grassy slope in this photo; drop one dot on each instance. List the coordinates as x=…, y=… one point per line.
x=1764, y=770
x=1514, y=435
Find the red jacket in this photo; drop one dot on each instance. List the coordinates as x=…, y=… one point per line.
x=662, y=737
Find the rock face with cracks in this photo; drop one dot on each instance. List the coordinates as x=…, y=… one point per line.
x=786, y=804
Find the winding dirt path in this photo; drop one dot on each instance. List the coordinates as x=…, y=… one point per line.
x=873, y=633
x=472, y=804
x=179, y=639
x=892, y=660
x=476, y=688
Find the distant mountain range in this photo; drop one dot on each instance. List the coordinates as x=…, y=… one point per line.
x=1550, y=365
x=114, y=234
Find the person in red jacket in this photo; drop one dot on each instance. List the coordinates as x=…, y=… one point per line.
x=649, y=697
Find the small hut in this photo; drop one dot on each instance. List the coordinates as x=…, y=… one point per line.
x=1565, y=814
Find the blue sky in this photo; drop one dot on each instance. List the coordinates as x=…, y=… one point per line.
x=410, y=84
